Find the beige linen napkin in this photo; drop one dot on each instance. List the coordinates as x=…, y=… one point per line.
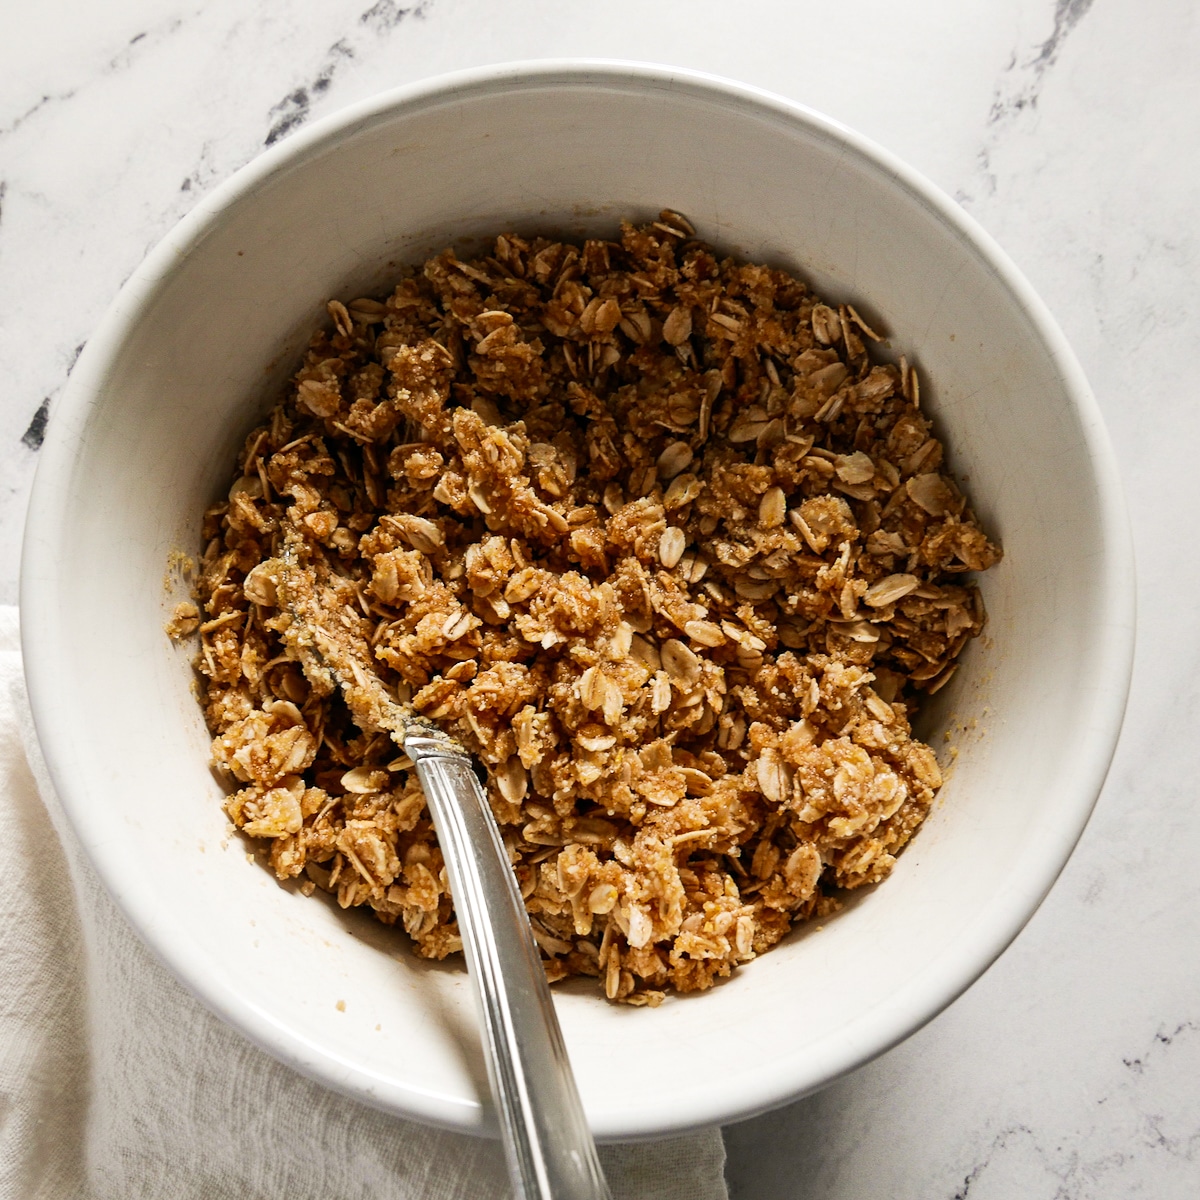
x=116, y=1084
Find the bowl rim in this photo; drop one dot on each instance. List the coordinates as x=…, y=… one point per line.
x=1108, y=671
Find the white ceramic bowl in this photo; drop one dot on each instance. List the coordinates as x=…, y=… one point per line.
x=192, y=351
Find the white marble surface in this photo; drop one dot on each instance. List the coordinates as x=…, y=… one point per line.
x=1069, y=128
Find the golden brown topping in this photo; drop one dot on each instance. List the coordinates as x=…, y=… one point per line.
x=649, y=532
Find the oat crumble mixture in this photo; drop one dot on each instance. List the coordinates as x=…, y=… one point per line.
x=654, y=536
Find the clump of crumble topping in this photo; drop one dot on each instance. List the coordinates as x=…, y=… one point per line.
x=651, y=533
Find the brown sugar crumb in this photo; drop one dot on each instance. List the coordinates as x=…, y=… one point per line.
x=652, y=534
x=185, y=620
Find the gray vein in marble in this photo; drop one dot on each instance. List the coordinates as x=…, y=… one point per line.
x=47, y=98
x=124, y=58
x=204, y=173
x=1161, y=1039
x=35, y=434
x=1072, y=1176
x=293, y=110
x=999, y=1142
x=385, y=15
x=1074, y=1173
x=1021, y=86
x=1067, y=14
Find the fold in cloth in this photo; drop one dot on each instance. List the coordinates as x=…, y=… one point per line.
x=116, y=1084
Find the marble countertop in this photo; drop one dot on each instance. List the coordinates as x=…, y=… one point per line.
x=1068, y=128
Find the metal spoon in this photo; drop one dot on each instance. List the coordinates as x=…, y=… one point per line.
x=549, y=1148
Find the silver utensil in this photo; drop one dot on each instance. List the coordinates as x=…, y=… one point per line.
x=549, y=1148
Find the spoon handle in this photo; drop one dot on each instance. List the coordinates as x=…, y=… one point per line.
x=549, y=1147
